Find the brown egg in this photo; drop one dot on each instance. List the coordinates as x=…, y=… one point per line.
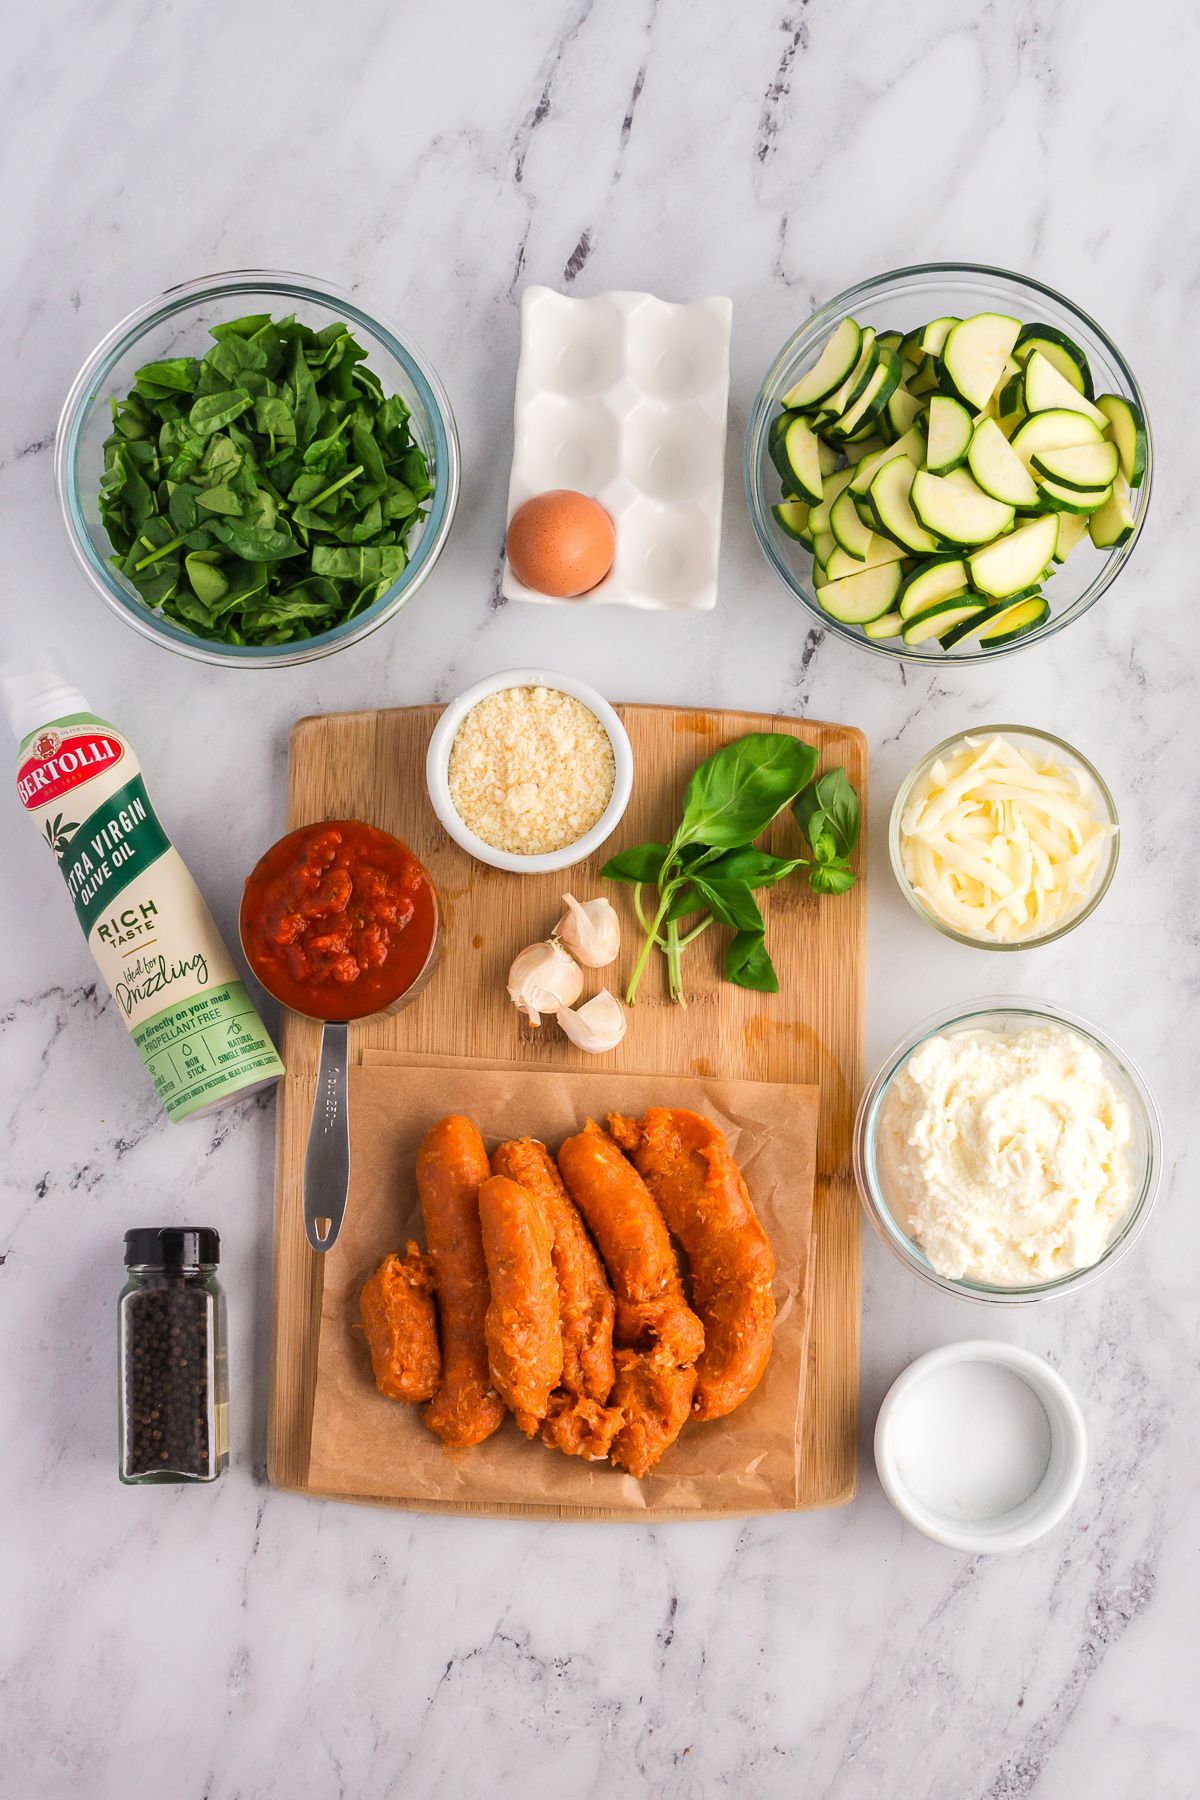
x=560, y=543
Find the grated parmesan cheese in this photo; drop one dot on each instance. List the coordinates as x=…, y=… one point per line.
x=531, y=770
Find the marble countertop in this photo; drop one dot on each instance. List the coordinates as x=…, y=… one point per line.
x=243, y=1642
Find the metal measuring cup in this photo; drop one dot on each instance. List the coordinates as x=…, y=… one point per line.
x=327, y=1156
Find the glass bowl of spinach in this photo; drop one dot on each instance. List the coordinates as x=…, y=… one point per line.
x=255, y=471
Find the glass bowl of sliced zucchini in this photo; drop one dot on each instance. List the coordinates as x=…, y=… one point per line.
x=948, y=460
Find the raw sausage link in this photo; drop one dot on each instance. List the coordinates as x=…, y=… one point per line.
x=398, y=1318
x=581, y=1427
x=452, y=1166
x=521, y=1327
x=585, y=1300
x=655, y=1401
x=685, y=1162
x=652, y=1313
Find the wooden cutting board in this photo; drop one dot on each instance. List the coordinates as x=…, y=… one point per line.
x=370, y=765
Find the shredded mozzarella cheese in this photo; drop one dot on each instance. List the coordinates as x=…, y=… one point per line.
x=998, y=846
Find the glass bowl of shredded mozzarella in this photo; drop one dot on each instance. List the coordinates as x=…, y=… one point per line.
x=1004, y=837
x=1008, y=1151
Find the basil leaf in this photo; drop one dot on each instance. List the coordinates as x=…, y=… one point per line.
x=642, y=864
x=831, y=878
x=830, y=805
x=731, y=902
x=685, y=900
x=748, y=965
x=756, y=868
x=733, y=796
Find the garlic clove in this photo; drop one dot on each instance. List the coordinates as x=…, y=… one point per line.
x=597, y=1026
x=544, y=979
x=591, y=931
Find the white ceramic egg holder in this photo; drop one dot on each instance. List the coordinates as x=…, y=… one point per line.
x=624, y=397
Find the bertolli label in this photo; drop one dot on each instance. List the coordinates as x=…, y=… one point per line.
x=153, y=938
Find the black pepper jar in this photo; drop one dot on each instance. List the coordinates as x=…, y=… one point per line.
x=174, y=1383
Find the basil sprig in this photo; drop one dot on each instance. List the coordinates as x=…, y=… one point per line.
x=709, y=872
x=264, y=492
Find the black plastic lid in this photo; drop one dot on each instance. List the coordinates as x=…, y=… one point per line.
x=171, y=1246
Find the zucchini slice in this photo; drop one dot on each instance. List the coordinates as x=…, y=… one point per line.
x=1060, y=350
x=860, y=598
x=846, y=526
x=888, y=498
x=843, y=397
x=949, y=434
x=942, y=578
x=1054, y=430
x=1127, y=429
x=1007, y=623
x=912, y=445
x=882, y=550
x=888, y=625
x=1073, y=500
x=1046, y=389
x=831, y=368
x=974, y=355
x=1071, y=528
x=802, y=451
x=956, y=510
x=942, y=618
x=890, y=340
x=998, y=469
x=824, y=545
x=829, y=459
x=1112, y=523
x=1079, y=465
x=883, y=382
x=934, y=335
x=903, y=410
x=911, y=352
x=775, y=436
x=792, y=517
x=856, y=452
x=1002, y=569
x=819, y=519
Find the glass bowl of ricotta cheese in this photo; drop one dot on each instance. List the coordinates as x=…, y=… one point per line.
x=1008, y=1151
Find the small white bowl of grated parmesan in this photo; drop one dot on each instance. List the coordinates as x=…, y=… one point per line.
x=529, y=770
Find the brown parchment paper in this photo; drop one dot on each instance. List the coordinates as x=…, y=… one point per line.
x=365, y=1446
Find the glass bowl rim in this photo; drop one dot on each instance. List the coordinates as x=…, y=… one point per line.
x=172, y=300
x=960, y=937
x=814, y=327
x=879, y=1213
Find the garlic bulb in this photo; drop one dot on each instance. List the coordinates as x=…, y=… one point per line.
x=591, y=931
x=543, y=979
x=597, y=1026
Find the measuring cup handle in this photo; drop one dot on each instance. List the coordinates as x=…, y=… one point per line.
x=327, y=1159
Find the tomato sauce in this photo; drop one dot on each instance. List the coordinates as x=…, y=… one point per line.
x=338, y=919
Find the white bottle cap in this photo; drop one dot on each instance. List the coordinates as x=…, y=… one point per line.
x=35, y=691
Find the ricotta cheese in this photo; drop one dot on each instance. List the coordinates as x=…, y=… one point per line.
x=1006, y=1155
